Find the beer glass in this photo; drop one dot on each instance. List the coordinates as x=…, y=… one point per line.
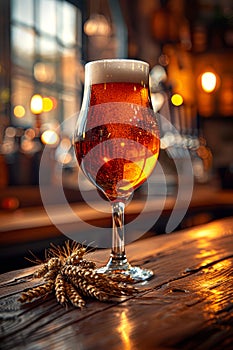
x=116, y=143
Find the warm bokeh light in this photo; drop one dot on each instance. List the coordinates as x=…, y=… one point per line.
x=62, y=152
x=177, y=100
x=97, y=25
x=47, y=104
x=27, y=146
x=208, y=81
x=36, y=104
x=19, y=111
x=50, y=137
x=10, y=131
x=44, y=72
x=64, y=158
x=10, y=203
x=65, y=143
x=30, y=133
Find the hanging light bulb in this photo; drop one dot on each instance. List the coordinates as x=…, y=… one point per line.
x=97, y=25
x=98, y=29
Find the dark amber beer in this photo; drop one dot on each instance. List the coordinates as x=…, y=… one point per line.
x=121, y=137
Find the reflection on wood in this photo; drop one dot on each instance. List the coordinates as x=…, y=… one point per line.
x=187, y=305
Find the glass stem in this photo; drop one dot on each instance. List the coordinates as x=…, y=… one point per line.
x=118, y=256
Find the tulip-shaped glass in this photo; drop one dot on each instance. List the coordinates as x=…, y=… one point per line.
x=117, y=142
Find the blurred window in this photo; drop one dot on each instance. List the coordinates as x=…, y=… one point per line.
x=22, y=11
x=46, y=53
x=46, y=18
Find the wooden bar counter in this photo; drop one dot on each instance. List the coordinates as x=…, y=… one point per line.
x=188, y=304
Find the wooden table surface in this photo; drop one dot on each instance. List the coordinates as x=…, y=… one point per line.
x=188, y=304
x=31, y=228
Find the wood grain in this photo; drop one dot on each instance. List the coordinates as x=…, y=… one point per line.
x=188, y=304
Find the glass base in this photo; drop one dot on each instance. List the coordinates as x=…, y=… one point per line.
x=135, y=272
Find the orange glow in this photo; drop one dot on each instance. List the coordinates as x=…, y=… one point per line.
x=30, y=133
x=206, y=252
x=208, y=81
x=19, y=111
x=53, y=99
x=211, y=288
x=50, y=137
x=125, y=329
x=177, y=100
x=215, y=270
x=10, y=203
x=36, y=104
x=27, y=146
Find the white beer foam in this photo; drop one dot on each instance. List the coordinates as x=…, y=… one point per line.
x=117, y=70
